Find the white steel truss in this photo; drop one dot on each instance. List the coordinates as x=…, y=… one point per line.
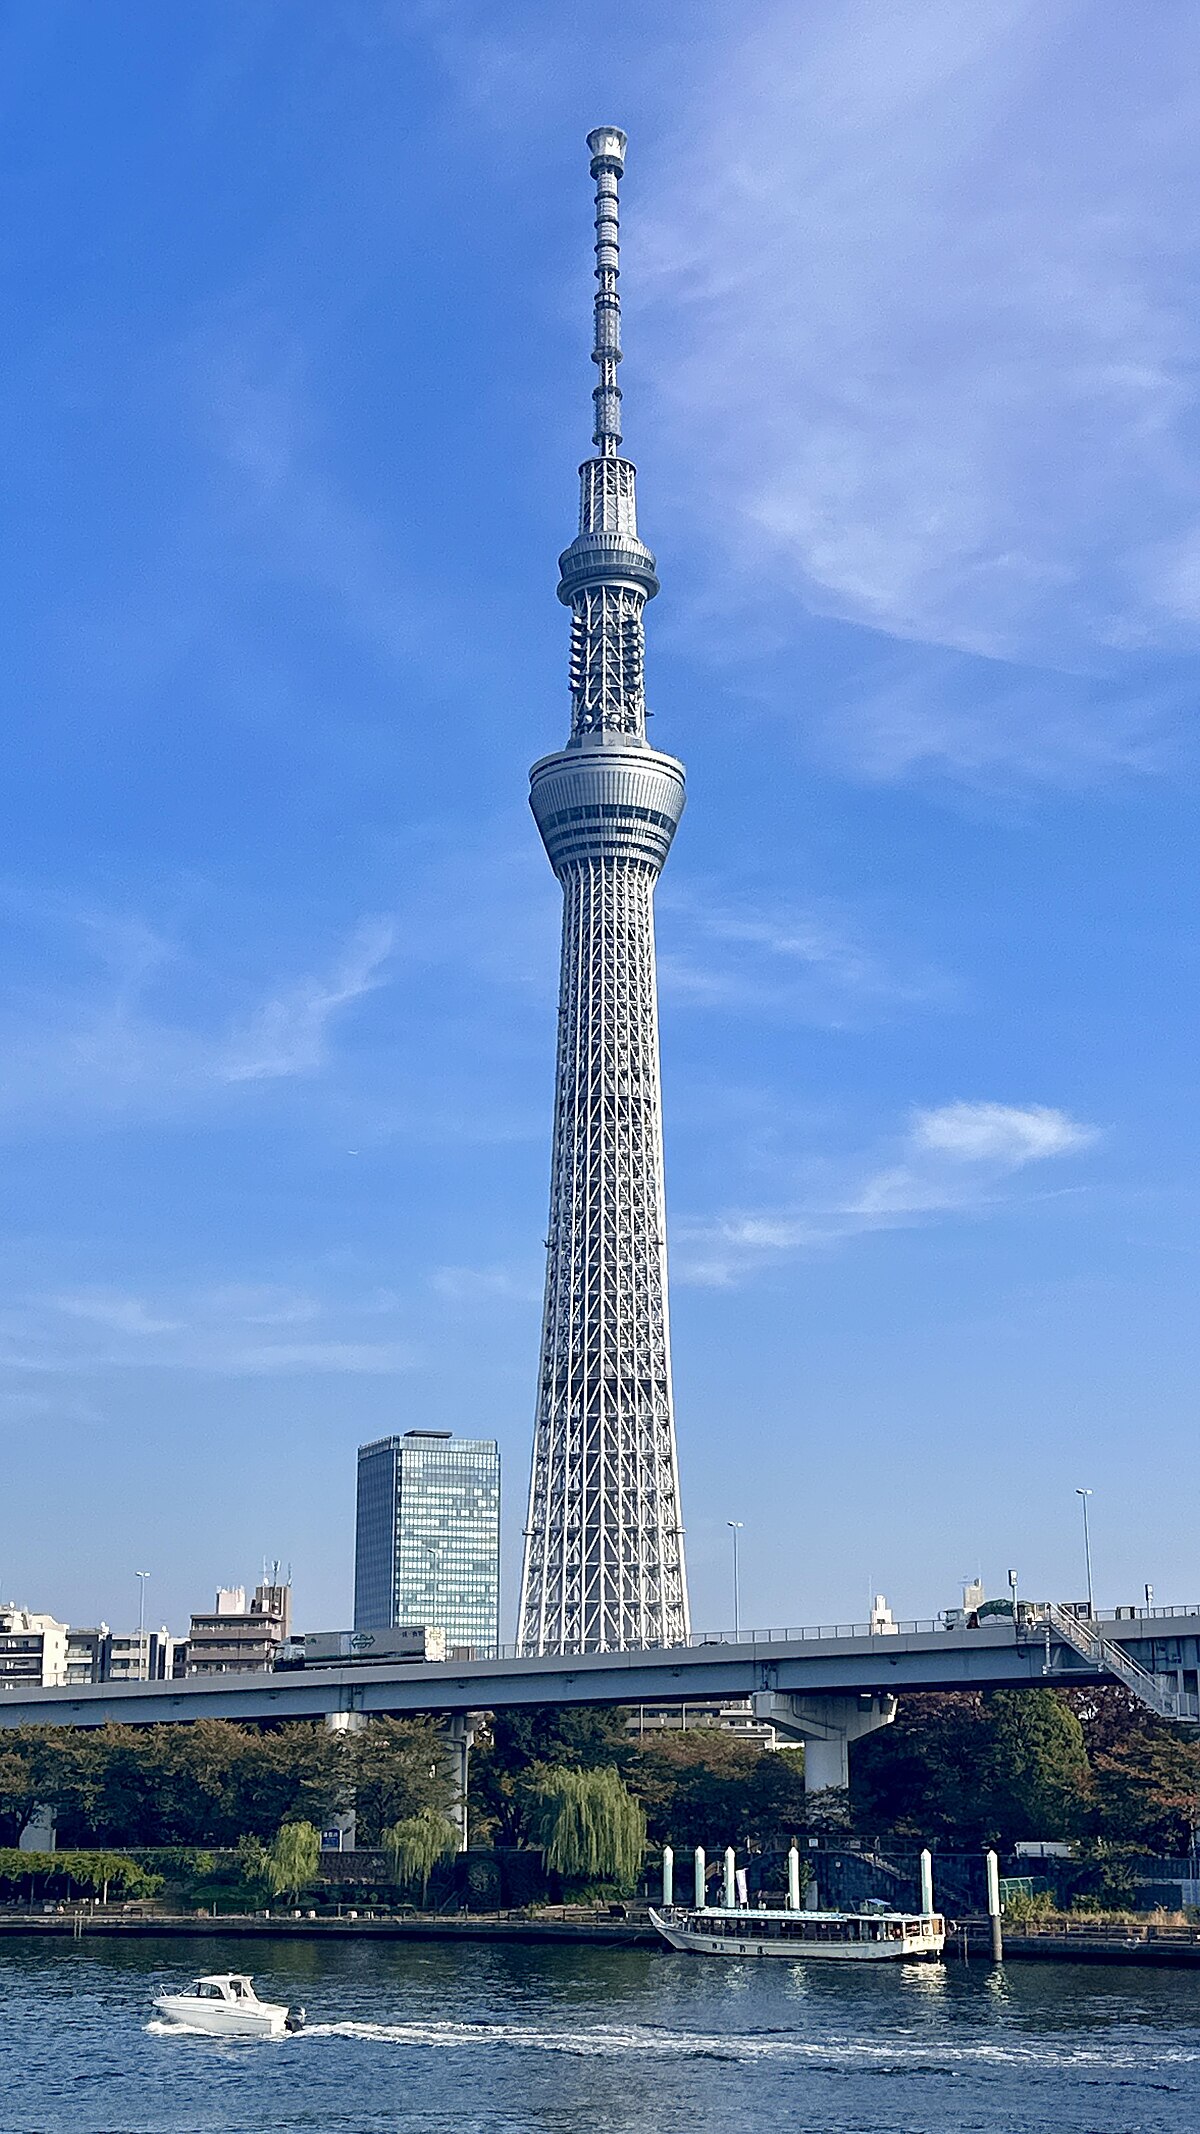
x=604, y=1557
x=604, y=1563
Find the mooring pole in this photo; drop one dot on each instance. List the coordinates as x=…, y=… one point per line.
x=668, y=1879
x=794, y=1879
x=698, y=1885
x=993, y=1905
x=730, y=1894
x=927, y=1884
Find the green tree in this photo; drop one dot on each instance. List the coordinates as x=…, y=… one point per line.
x=707, y=1787
x=291, y=1859
x=585, y=1737
x=1145, y=1773
x=399, y=1768
x=589, y=1826
x=415, y=1845
x=929, y=1774
x=18, y=1795
x=1038, y=1780
x=213, y=1783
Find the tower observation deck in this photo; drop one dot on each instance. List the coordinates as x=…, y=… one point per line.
x=604, y=1561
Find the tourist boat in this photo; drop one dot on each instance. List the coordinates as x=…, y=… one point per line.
x=226, y=2006
x=853, y=1937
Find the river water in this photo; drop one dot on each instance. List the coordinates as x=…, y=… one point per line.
x=484, y=2038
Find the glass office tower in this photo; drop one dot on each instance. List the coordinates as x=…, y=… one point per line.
x=427, y=1545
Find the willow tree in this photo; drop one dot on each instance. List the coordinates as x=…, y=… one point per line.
x=292, y=1858
x=589, y=1826
x=415, y=1845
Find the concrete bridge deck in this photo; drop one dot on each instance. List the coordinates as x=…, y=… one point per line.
x=843, y=1662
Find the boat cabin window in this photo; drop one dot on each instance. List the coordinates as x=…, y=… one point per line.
x=208, y=1991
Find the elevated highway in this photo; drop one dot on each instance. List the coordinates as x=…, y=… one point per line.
x=823, y=1686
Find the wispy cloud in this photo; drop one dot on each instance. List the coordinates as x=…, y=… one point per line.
x=235, y=1330
x=110, y=1309
x=121, y=1019
x=785, y=958
x=472, y=1286
x=248, y=375
x=1006, y=1135
x=921, y=287
x=953, y=1160
x=995, y=726
x=288, y=1033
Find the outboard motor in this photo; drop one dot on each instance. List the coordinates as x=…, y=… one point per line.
x=295, y=2019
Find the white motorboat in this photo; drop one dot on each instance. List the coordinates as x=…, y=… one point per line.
x=845, y=1937
x=225, y=2005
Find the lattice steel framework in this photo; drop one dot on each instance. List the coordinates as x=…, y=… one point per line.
x=604, y=1562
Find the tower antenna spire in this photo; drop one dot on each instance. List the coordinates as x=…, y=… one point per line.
x=607, y=144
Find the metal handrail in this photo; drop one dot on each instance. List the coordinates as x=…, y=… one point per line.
x=1078, y=1632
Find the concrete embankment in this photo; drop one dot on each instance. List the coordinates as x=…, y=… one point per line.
x=1142, y=1946
x=602, y=1933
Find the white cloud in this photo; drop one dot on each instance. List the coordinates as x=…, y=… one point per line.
x=954, y=1159
x=482, y=1285
x=288, y=1033
x=111, y=1036
x=120, y=1314
x=810, y=962
x=1003, y=1135
x=921, y=319
x=238, y=1330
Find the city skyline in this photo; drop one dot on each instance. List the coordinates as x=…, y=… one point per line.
x=289, y=459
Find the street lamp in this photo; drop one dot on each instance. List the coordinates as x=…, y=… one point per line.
x=735, y=1528
x=142, y=1576
x=1083, y=1495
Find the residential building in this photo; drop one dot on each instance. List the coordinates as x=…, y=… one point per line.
x=235, y=1639
x=85, y=1654
x=735, y=1717
x=104, y=1655
x=427, y=1544
x=33, y=1649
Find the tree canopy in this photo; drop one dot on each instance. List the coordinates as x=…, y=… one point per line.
x=1036, y=1763
x=588, y=1824
x=213, y=1783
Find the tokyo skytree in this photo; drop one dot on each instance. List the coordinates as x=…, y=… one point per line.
x=604, y=1563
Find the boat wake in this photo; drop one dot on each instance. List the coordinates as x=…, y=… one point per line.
x=910, y=2054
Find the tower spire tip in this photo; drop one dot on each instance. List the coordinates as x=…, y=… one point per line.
x=608, y=145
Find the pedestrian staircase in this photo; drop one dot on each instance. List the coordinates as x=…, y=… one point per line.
x=1156, y=1692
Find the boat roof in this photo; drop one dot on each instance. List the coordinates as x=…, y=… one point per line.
x=781, y=1911
x=224, y=1978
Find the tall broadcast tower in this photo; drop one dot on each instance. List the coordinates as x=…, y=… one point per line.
x=604, y=1560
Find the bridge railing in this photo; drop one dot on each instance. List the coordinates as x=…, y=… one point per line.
x=1032, y=1612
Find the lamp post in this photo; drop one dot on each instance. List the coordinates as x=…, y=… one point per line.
x=1083, y=1495
x=1012, y=1587
x=735, y=1528
x=142, y=1576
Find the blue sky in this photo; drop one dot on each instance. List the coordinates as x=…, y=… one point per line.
x=293, y=390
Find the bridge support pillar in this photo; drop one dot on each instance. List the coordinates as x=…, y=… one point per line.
x=826, y=1726
x=458, y=1730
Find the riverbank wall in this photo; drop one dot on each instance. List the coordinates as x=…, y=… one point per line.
x=1143, y=1947
x=81, y=1923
